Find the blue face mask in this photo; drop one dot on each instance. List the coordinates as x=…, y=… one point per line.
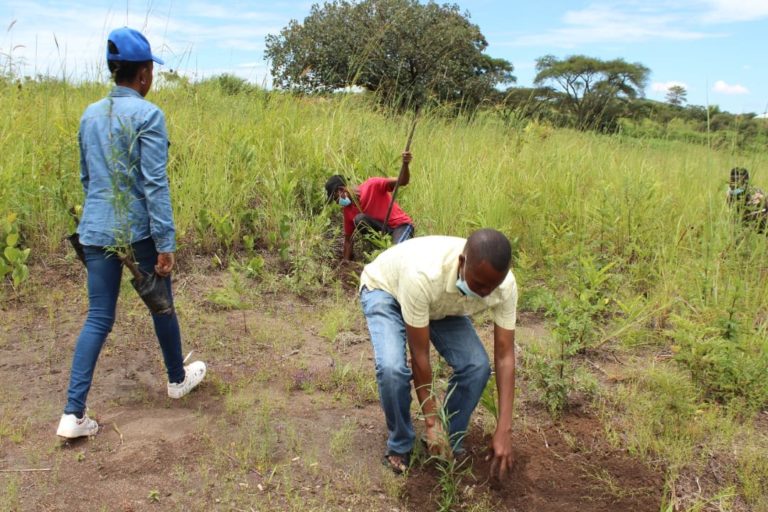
x=344, y=201
x=464, y=288
x=736, y=191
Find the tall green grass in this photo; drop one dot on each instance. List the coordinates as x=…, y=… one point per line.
x=629, y=238
x=254, y=164
x=247, y=170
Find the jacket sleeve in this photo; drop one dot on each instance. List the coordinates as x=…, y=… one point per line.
x=153, y=144
x=84, y=176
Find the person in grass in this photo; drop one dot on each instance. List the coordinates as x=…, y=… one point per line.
x=424, y=290
x=123, y=157
x=365, y=206
x=748, y=200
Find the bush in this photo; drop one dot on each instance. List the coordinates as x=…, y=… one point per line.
x=232, y=85
x=728, y=365
x=13, y=259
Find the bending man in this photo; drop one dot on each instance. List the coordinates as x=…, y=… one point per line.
x=365, y=206
x=424, y=290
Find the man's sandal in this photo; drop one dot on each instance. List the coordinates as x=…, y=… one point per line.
x=397, y=462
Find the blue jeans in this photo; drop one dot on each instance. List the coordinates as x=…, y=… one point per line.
x=104, y=275
x=401, y=233
x=455, y=339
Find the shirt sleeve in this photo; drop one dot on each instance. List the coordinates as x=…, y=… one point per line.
x=414, y=299
x=505, y=313
x=153, y=140
x=378, y=185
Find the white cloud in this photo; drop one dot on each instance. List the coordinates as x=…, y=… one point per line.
x=258, y=75
x=726, y=11
x=230, y=11
x=665, y=86
x=724, y=88
x=632, y=21
x=617, y=22
x=58, y=39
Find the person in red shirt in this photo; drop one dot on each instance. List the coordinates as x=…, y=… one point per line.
x=365, y=206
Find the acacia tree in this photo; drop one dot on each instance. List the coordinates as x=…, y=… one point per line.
x=676, y=95
x=592, y=87
x=404, y=51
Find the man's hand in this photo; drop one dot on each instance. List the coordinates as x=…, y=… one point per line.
x=165, y=263
x=405, y=173
x=437, y=440
x=501, y=453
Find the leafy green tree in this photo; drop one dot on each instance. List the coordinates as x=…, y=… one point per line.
x=404, y=51
x=594, y=89
x=695, y=113
x=677, y=95
x=516, y=103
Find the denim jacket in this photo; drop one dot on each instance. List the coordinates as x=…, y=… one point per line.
x=123, y=155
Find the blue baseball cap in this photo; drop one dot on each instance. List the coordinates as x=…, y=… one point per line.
x=131, y=46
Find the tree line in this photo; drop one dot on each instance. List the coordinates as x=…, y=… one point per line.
x=409, y=54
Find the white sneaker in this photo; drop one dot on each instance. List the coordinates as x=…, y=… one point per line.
x=70, y=427
x=194, y=374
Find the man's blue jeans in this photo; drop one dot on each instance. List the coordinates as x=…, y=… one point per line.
x=364, y=223
x=454, y=338
x=104, y=275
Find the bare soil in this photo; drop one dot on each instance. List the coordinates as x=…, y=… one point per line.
x=559, y=467
x=287, y=419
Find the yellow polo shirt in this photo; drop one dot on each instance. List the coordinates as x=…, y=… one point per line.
x=421, y=274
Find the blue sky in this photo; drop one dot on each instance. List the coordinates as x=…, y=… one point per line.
x=716, y=49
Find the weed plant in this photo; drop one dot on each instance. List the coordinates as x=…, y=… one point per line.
x=452, y=470
x=489, y=399
x=13, y=259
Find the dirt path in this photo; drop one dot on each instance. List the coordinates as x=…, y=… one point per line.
x=287, y=419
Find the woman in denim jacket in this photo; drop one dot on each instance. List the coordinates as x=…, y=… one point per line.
x=123, y=157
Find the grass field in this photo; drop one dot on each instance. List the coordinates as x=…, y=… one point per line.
x=653, y=302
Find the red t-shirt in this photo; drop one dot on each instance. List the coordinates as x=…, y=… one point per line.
x=374, y=201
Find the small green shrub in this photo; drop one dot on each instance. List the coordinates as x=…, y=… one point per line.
x=253, y=267
x=13, y=259
x=489, y=399
x=725, y=362
x=551, y=376
x=233, y=295
x=214, y=231
x=233, y=85
x=550, y=369
x=154, y=496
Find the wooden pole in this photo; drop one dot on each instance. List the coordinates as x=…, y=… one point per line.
x=402, y=170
